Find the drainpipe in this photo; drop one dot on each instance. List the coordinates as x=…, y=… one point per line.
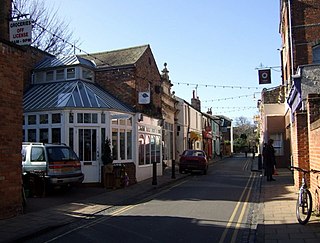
x=291, y=42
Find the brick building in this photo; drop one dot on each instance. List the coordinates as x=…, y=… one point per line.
x=300, y=57
x=129, y=74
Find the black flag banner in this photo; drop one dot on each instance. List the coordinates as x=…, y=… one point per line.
x=264, y=76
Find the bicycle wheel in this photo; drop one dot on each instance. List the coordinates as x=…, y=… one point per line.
x=304, y=207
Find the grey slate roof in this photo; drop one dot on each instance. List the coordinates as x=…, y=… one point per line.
x=54, y=62
x=117, y=58
x=70, y=94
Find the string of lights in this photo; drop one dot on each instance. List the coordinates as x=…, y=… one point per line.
x=231, y=98
x=216, y=86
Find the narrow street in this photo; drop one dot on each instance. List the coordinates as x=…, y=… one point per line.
x=216, y=207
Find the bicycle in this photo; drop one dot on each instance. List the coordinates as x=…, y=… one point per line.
x=304, y=201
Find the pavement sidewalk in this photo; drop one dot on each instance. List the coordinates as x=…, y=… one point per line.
x=278, y=222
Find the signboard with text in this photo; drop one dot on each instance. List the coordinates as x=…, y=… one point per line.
x=20, y=32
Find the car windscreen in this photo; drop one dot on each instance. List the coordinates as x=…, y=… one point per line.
x=61, y=154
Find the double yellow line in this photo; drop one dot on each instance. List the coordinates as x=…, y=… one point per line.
x=245, y=193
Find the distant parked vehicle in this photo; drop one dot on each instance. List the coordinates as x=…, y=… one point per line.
x=193, y=160
x=56, y=164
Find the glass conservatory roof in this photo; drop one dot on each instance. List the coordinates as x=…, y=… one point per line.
x=71, y=94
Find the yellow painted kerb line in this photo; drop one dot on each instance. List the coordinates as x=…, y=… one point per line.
x=224, y=234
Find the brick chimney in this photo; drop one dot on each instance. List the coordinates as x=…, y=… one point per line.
x=195, y=102
x=5, y=14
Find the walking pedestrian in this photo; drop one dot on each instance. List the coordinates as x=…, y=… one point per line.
x=270, y=160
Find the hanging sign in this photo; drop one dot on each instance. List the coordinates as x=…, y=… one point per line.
x=20, y=32
x=264, y=76
x=144, y=98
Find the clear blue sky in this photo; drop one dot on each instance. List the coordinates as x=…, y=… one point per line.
x=204, y=42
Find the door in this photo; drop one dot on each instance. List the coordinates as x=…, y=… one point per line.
x=88, y=154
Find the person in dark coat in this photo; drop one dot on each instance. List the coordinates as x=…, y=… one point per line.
x=270, y=160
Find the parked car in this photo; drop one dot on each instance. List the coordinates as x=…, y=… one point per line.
x=193, y=160
x=56, y=164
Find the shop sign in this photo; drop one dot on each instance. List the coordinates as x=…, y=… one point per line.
x=20, y=32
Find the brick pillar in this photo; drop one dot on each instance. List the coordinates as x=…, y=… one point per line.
x=11, y=86
x=313, y=110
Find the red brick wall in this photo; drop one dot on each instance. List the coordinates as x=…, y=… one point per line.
x=313, y=107
x=11, y=91
x=15, y=69
x=126, y=83
x=300, y=144
x=305, y=29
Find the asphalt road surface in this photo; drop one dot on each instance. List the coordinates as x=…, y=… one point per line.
x=217, y=207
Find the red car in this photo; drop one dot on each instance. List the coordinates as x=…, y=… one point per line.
x=193, y=160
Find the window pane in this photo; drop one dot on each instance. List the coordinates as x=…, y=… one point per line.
x=147, y=149
x=103, y=118
x=115, y=143
x=70, y=117
x=94, y=118
x=71, y=73
x=141, y=149
x=56, y=118
x=122, y=144
x=49, y=76
x=87, y=74
x=44, y=135
x=122, y=121
x=129, y=144
x=32, y=135
x=80, y=118
x=32, y=120
x=87, y=118
x=60, y=74
x=56, y=135
x=71, y=137
x=44, y=119
x=129, y=122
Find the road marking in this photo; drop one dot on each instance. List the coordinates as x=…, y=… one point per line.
x=245, y=204
x=224, y=234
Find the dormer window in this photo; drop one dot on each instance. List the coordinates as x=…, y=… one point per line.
x=87, y=74
x=49, y=76
x=71, y=73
